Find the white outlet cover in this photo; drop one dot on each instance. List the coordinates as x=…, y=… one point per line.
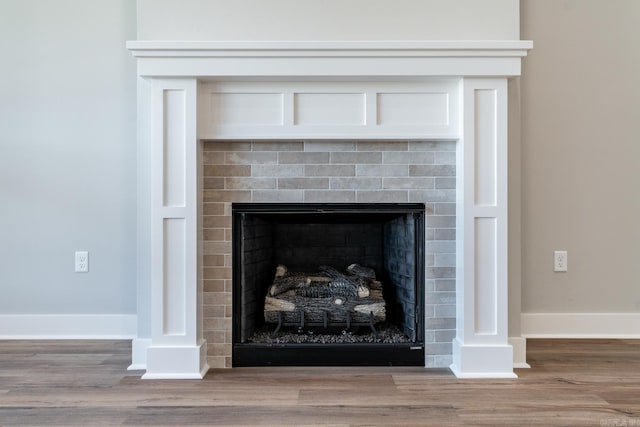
x=560, y=261
x=82, y=262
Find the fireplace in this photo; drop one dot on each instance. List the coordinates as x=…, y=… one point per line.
x=334, y=266
x=454, y=91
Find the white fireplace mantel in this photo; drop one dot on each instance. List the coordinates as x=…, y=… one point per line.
x=329, y=59
x=472, y=75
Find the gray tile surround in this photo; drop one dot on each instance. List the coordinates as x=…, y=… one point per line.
x=332, y=171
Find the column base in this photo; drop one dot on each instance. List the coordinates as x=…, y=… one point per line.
x=176, y=362
x=482, y=361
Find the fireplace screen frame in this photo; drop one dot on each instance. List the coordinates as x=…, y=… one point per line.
x=410, y=353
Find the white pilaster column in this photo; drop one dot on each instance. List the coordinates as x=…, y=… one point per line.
x=177, y=349
x=481, y=348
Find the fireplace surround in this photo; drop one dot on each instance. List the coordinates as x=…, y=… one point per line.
x=325, y=91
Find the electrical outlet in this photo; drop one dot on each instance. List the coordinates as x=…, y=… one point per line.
x=82, y=262
x=560, y=261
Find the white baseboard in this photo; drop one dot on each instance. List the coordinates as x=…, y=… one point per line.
x=139, y=348
x=68, y=326
x=580, y=325
x=519, y=345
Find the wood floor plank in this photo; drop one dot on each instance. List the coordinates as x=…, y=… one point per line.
x=539, y=416
x=294, y=415
x=88, y=416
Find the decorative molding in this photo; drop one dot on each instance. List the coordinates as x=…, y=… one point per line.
x=580, y=325
x=328, y=110
x=68, y=326
x=337, y=59
x=368, y=48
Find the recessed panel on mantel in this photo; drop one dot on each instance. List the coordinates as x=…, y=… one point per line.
x=328, y=109
x=236, y=109
x=331, y=109
x=486, y=276
x=173, y=159
x=413, y=109
x=485, y=123
x=174, y=276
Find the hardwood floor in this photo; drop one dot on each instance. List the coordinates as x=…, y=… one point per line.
x=571, y=383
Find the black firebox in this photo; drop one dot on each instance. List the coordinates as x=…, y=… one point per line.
x=328, y=284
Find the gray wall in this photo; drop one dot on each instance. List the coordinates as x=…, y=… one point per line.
x=328, y=19
x=581, y=155
x=67, y=156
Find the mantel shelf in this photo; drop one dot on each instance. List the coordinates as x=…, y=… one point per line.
x=159, y=48
x=431, y=58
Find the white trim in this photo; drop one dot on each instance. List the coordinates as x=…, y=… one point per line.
x=404, y=48
x=481, y=346
x=139, y=348
x=482, y=361
x=580, y=325
x=519, y=345
x=275, y=110
x=327, y=59
x=481, y=375
x=176, y=362
x=176, y=376
x=68, y=326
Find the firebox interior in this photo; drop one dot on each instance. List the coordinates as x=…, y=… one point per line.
x=389, y=238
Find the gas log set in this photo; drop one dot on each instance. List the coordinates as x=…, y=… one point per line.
x=325, y=299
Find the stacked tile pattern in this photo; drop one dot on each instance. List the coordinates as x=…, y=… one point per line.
x=332, y=172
